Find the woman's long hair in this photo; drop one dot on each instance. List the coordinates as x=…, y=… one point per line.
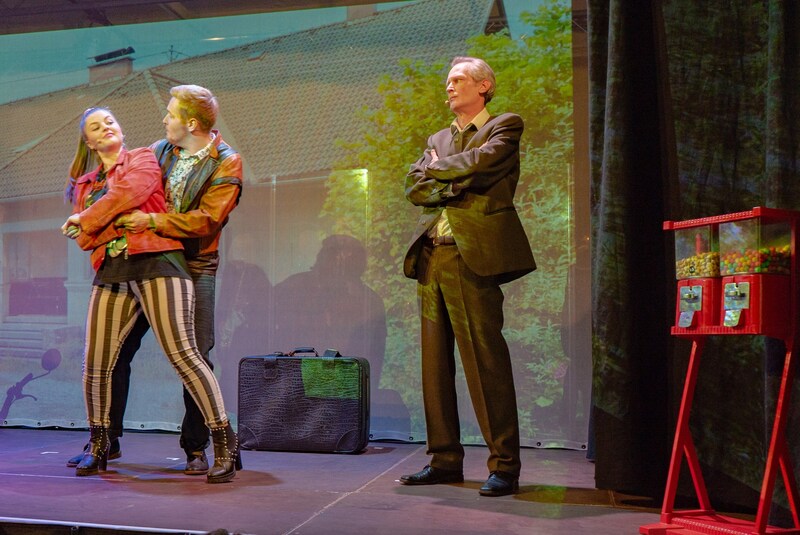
x=85, y=158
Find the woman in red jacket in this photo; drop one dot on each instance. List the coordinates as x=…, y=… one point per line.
x=136, y=273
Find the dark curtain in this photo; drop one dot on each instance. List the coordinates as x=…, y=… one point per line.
x=694, y=112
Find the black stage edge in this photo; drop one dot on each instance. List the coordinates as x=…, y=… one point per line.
x=22, y=526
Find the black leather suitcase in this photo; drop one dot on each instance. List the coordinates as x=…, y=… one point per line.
x=304, y=402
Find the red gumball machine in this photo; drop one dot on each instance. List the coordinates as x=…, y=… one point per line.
x=697, y=271
x=756, y=269
x=753, y=290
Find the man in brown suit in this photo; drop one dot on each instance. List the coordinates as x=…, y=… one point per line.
x=469, y=241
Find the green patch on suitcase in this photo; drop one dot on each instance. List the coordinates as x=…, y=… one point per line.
x=331, y=378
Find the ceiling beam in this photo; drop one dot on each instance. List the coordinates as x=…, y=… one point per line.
x=26, y=16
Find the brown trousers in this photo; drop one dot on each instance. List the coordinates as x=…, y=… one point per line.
x=459, y=307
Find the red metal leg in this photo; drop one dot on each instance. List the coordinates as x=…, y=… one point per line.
x=778, y=453
x=791, y=486
x=683, y=444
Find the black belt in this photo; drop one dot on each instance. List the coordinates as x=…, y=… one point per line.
x=443, y=240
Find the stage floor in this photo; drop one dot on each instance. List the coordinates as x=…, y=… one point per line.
x=295, y=493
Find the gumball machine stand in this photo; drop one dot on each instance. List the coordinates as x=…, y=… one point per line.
x=737, y=275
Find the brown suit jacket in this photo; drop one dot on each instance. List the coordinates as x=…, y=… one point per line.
x=477, y=186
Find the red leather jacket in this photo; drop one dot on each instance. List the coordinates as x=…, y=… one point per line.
x=134, y=182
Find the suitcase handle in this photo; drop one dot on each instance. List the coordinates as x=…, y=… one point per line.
x=329, y=353
x=304, y=351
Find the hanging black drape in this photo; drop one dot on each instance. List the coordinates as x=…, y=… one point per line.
x=694, y=112
x=628, y=266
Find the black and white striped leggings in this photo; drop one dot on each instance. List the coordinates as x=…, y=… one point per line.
x=168, y=304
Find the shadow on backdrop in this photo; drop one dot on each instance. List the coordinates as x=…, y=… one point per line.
x=50, y=361
x=244, y=293
x=329, y=306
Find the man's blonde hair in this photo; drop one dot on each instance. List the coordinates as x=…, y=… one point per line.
x=195, y=102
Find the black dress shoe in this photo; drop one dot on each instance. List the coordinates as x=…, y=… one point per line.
x=196, y=464
x=113, y=453
x=432, y=476
x=500, y=484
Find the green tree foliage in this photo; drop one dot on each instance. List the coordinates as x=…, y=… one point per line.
x=366, y=199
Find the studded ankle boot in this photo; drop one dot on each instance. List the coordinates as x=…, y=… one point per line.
x=96, y=456
x=226, y=455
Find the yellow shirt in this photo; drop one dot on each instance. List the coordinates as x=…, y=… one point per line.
x=460, y=137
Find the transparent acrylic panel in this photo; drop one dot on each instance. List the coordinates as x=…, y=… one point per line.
x=327, y=114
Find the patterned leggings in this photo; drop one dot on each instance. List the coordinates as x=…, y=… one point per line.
x=168, y=304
